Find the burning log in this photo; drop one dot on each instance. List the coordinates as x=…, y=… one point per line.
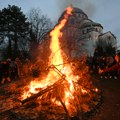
x=37, y=95
x=68, y=116
x=53, y=67
x=43, y=91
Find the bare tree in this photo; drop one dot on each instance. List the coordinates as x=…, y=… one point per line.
x=40, y=24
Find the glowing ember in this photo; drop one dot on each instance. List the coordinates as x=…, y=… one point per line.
x=67, y=90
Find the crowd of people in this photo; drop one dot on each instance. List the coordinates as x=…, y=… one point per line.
x=107, y=67
x=11, y=69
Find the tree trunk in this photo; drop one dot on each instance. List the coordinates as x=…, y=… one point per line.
x=9, y=50
x=15, y=46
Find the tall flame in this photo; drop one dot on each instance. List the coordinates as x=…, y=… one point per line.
x=55, y=46
x=55, y=34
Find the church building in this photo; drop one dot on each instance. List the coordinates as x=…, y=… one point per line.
x=81, y=31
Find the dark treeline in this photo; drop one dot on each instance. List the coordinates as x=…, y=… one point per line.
x=19, y=33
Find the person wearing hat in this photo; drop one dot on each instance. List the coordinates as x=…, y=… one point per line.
x=114, y=67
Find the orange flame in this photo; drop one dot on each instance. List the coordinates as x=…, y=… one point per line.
x=55, y=34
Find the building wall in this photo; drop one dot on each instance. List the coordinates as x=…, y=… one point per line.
x=80, y=34
x=83, y=38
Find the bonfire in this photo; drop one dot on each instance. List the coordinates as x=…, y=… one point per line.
x=66, y=86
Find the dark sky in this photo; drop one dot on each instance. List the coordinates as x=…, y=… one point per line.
x=105, y=12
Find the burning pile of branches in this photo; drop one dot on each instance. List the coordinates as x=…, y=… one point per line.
x=66, y=85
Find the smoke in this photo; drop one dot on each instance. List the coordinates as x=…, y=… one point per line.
x=86, y=5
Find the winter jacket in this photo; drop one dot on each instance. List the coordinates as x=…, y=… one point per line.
x=113, y=68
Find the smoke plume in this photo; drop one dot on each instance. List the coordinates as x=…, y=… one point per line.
x=86, y=5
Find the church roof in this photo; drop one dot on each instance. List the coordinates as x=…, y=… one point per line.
x=90, y=24
x=109, y=32
x=77, y=10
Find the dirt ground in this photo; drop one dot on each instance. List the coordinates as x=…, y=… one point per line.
x=110, y=109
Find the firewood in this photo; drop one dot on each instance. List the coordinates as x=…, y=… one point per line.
x=43, y=91
x=68, y=116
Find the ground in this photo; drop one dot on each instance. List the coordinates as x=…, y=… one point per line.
x=109, y=109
